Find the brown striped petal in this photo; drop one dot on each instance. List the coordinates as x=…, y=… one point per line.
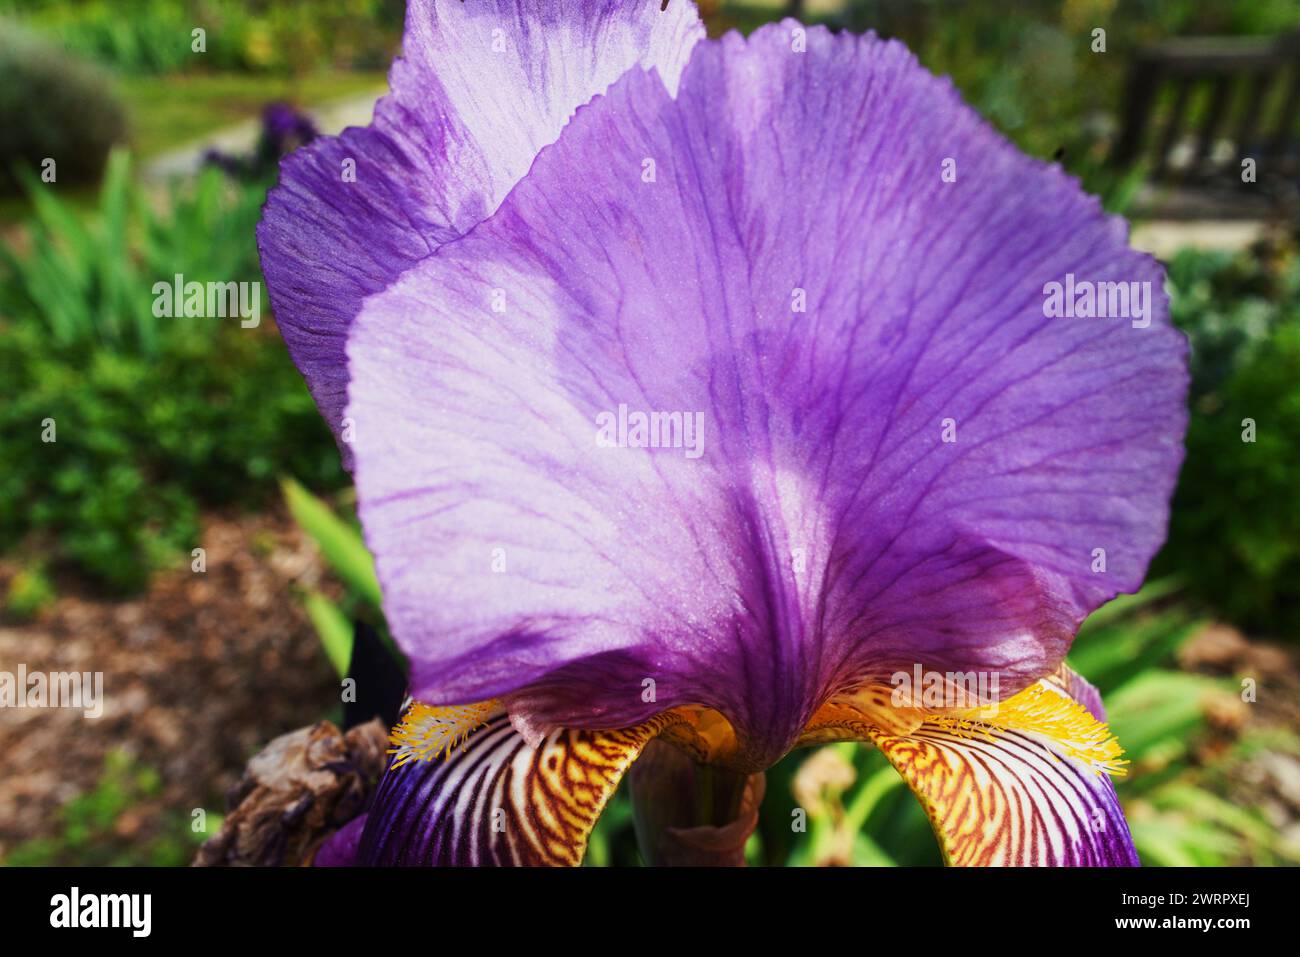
x=1025, y=784
x=466, y=788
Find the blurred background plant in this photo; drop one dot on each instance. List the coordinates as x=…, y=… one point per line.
x=166, y=426
x=154, y=418
x=337, y=533
x=97, y=829
x=255, y=36
x=1235, y=531
x=78, y=121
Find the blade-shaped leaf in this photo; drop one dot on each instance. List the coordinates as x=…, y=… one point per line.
x=333, y=628
x=338, y=541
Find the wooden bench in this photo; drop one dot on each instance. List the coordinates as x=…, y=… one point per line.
x=1194, y=109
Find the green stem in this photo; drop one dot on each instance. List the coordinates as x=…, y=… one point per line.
x=865, y=801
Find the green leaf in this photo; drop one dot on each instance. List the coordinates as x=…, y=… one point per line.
x=338, y=541
x=868, y=796
x=1170, y=844
x=114, y=266
x=1111, y=656
x=867, y=853
x=1124, y=605
x=333, y=629
x=1157, y=712
x=1208, y=807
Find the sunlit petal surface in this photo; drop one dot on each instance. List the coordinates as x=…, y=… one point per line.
x=900, y=458
x=480, y=88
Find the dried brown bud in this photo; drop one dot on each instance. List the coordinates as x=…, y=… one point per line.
x=299, y=789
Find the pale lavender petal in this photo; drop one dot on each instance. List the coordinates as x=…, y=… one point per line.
x=827, y=534
x=481, y=87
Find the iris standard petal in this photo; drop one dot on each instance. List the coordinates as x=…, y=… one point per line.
x=885, y=453
x=480, y=88
x=467, y=789
x=1025, y=785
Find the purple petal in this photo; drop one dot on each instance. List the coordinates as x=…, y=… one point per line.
x=340, y=848
x=827, y=535
x=481, y=87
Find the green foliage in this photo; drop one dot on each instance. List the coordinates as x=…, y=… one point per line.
x=53, y=107
x=153, y=417
x=1235, y=530
x=1193, y=826
x=30, y=592
x=1029, y=66
x=245, y=35
x=1131, y=635
x=1155, y=716
x=339, y=541
x=189, y=107
x=343, y=549
x=90, y=284
x=1178, y=806
x=332, y=627
x=89, y=821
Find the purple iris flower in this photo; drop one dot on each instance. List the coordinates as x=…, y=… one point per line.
x=744, y=394
x=283, y=129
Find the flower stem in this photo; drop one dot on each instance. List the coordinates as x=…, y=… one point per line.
x=690, y=814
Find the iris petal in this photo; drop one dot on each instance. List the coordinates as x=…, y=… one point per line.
x=493, y=799
x=480, y=89
x=776, y=251
x=1017, y=792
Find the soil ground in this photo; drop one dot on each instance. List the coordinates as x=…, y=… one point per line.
x=198, y=673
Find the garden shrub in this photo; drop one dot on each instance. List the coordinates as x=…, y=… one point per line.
x=53, y=106
x=239, y=35
x=1235, y=530
x=153, y=418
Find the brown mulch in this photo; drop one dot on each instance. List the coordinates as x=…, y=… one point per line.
x=199, y=673
x=1267, y=779
x=1220, y=649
